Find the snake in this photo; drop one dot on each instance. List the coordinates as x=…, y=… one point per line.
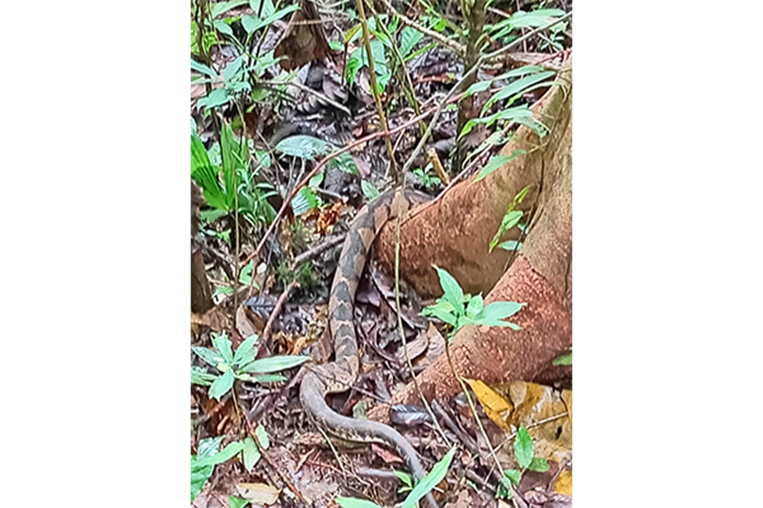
x=339, y=375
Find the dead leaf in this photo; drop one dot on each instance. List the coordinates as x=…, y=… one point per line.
x=435, y=348
x=496, y=407
x=414, y=348
x=248, y=323
x=258, y=493
x=328, y=217
x=386, y=455
x=304, y=40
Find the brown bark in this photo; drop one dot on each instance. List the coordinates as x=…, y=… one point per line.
x=454, y=233
x=201, y=295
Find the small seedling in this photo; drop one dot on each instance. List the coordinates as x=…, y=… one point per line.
x=524, y=451
x=241, y=365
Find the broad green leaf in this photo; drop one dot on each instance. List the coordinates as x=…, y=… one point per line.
x=538, y=464
x=262, y=436
x=220, y=8
x=514, y=475
x=351, y=502
x=369, y=191
x=303, y=146
x=500, y=310
x=452, y=290
x=534, y=19
x=510, y=245
x=216, y=97
x=429, y=482
x=496, y=162
x=222, y=344
x=523, y=447
x=477, y=87
x=253, y=23
x=233, y=69
x=223, y=27
x=245, y=349
x=274, y=364
x=221, y=385
x=336, y=45
x=200, y=67
x=237, y=502
x=251, y=453
x=267, y=8
x=213, y=358
x=228, y=453
x=306, y=199
x=199, y=376
x=409, y=37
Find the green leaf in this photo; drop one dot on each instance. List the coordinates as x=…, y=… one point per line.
x=515, y=114
x=274, y=364
x=475, y=306
x=222, y=344
x=228, y=453
x=352, y=33
x=429, y=482
x=500, y=310
x=199, y=376
x=237, y=502
x=409, y=37
x=251, y=453
x=517, y=87
x=523, y=447
x=514, y=475
x=345, y=162
x=445, y=317
x=269, y=378
x=255, y=24
x=351, y=502
x=262, y=436
x=220, y=8
x=223, y=27
x=306, y=199
x=452, y=290
x=496, y=162
x=203, y=69
x=303, y=146
x=267, y=9
x=245, y=352
x=369, y=191
x=510, y=245
x=565, y=359
x=200, y=473
x=216, y=97
x=233, y=71
x=213, y=358
x=404, y=477
x=221, y=385
x=538, y=464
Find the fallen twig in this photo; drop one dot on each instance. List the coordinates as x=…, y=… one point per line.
x=318, y=249
x=277, y=309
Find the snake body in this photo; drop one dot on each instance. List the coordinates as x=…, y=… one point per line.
x=339, y=375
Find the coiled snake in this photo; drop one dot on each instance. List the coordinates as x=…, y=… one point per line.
x=339, y=375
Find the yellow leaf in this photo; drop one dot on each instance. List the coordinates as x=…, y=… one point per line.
x=496, y=407
x=258, y=493
x=563, y=484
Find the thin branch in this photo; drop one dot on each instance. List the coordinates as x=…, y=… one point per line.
x=277, y=309
x=453, y=45
x=307, y=89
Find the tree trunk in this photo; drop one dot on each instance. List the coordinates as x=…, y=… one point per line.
x=454, y=233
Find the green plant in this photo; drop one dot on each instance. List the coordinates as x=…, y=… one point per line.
x=458, y=310
x=428, y=179
x=421, y=489
x=233, y=166
x=524, y=451
x=241, y=365
x=565, y=359
x=510, y=219
x=203, y=464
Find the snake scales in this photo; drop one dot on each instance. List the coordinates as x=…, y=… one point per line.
x=337, y=376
